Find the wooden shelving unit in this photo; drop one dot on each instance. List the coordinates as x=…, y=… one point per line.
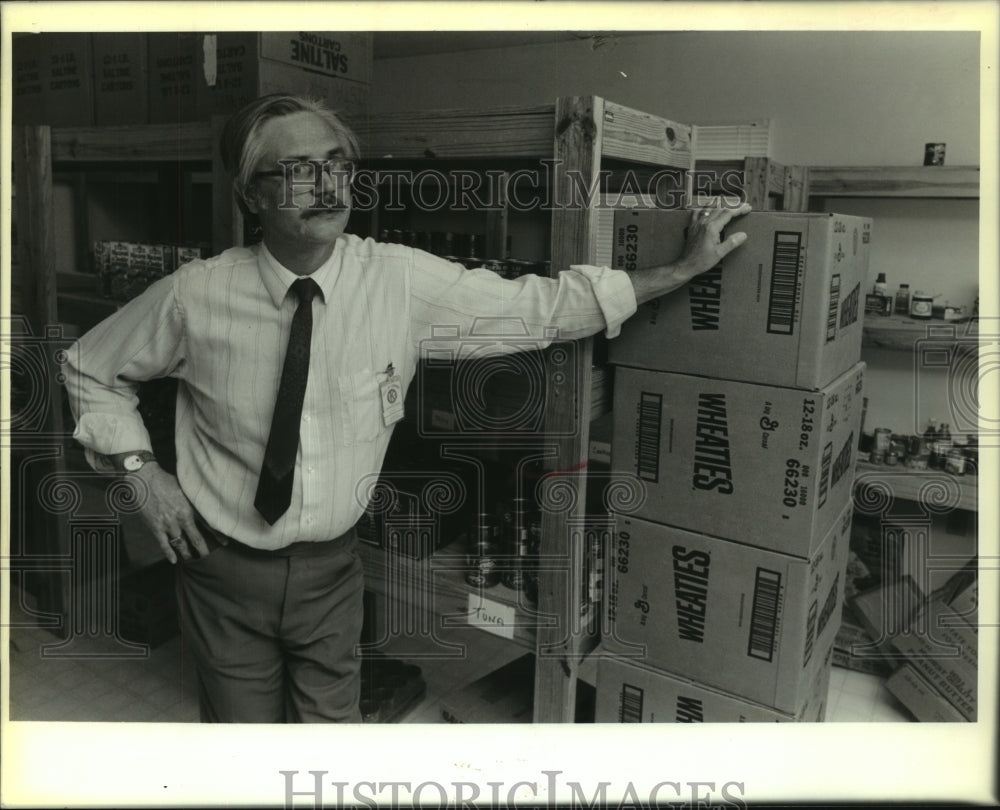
x=582, y=135
x=47, y=298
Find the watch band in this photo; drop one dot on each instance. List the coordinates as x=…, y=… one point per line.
x=133, y=462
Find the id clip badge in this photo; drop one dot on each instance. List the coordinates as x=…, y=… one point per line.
x=391, y=389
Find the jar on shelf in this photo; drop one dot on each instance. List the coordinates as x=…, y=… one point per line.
x=921, y=306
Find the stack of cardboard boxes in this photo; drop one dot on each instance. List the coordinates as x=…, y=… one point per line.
x=738, y=404
x=80, y=79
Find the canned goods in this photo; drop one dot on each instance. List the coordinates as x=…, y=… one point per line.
x=918, y=462
x=892, y=458
x=483, y=572
x=939, y=454
x=877, y=457
x=955, y=462
x=883, y=440
x=915, y=446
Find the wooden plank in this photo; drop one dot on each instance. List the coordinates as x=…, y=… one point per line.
x=36, y=237
x=578, y=138
x=227, y=221
x=756, y=184
x=644, y=138
x=899, y=333
x=917, y=485
x=170, y=142
x=31, y=156
x=498, y=132
x=894, y=181
x=795, y=194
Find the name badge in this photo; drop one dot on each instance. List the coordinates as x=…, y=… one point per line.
x=392, y=399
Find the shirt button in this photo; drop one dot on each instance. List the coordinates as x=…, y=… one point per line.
x=309, y=518
x=305, y=417
x=310, y=470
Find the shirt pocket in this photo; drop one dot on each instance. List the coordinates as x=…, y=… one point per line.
x=361, y=407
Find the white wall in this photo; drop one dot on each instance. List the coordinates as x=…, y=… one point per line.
x=835, y=98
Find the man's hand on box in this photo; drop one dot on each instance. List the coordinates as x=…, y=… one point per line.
x=705, y=246
x=704, y=249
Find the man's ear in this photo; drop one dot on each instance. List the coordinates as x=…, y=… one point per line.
x=249, y=198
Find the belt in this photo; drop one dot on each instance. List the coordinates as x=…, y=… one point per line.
x=216, y=539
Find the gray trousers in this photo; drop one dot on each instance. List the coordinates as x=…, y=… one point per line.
x=273, y=634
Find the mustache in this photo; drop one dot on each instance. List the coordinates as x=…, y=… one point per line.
x=324, y=204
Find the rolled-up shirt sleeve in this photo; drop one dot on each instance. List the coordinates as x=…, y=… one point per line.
x=141, y=341
x=452, y=302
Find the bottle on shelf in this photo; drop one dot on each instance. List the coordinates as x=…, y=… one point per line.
x=881, y=287
x=903, y=300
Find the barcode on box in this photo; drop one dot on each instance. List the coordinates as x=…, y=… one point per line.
x=824, y=475
x=631, y=706
x=785, y=271
x=833, y=308
x=648, y=437
x=764, y=617
x=810, y=631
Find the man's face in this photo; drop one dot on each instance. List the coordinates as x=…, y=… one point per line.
x=294, y=205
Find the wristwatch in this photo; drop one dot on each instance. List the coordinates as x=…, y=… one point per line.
x=133, y=462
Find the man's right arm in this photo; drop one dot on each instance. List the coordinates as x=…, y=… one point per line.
x=142, y=341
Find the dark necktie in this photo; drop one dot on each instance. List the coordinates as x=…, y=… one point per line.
x=274, y=489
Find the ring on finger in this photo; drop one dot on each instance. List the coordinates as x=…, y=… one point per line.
x=706, y=213
x=175, y=541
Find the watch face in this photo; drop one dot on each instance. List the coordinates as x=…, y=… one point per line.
x=132, y=463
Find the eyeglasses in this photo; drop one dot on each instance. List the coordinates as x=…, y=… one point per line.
x=305, y=171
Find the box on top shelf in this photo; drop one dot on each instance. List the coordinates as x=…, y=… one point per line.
x=760, y=464
x=195, y=76
x=67, y=79
x=121, y=91
x=628, y=692
x=754, y=623
x=175, y=61
x=781, y=309
x=26, y=78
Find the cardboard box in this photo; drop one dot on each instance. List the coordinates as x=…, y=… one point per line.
x=175, y=63
x=782, y=309
x=240, y=66
x=26, y=79
x=67, y=79
x=628, y=692
x=763, y=465
x=121, y=83
x=945, y=651
x=925, y=702
x=750, y=622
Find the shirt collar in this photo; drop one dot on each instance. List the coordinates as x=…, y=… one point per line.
x=277, y=278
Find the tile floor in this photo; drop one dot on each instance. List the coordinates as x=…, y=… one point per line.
x=159, y=686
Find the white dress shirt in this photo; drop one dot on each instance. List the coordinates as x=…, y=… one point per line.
x=221, y=326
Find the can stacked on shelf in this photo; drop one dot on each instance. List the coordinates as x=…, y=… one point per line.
x=737, y=405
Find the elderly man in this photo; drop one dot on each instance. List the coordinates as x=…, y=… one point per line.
x=290, y=356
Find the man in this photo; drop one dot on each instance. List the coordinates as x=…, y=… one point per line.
x=285, y=403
